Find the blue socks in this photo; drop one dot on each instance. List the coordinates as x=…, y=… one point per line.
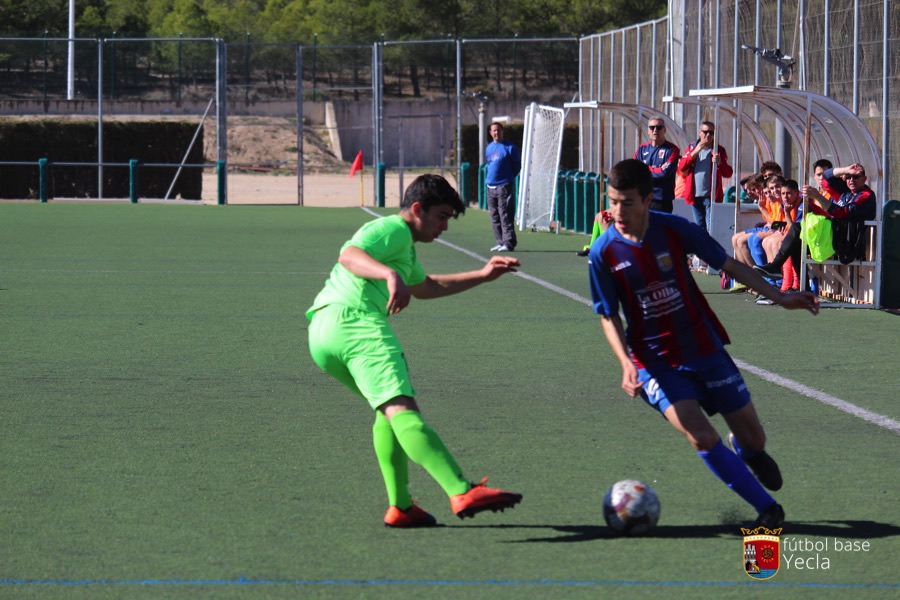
x=732, y=470
x=754, y=243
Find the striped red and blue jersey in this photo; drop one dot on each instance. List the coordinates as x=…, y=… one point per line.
x=663, y=162
x=668, y=318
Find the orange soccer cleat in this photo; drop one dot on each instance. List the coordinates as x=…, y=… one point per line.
x=480, y=498
x=411, y=517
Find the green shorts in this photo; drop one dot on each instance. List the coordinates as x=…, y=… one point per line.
x=361, y=351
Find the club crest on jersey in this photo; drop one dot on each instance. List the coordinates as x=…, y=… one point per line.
x=762, y=552
x=662, y=153
x=664, y=261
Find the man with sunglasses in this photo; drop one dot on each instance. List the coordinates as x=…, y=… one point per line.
x=661, y=156
x=697, y=166
x=855, y=202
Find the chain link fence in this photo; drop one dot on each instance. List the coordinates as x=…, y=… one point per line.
x=841, y=49
x=286, y=108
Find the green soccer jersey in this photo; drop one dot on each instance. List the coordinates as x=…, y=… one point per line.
x=389, y=241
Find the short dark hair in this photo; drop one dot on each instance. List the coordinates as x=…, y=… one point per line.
x=631, y=174
x=431, y=190
x=771, y=165
x=824, y=163
x=497, y=123
x=791, y=184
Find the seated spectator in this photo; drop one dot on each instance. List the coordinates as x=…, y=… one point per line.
x=778, y=212
x=769, y=168
x=856, y=204
x=747, y=244
x=792, y=208
x=754, y=187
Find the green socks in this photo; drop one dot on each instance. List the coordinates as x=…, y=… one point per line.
x=393, y=462
x=424, y=447
x=596, y=232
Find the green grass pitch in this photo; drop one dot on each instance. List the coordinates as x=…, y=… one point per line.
x=165, y=434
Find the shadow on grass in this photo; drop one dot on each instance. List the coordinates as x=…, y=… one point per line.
x=849, y=529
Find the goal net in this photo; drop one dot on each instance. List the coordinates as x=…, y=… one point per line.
x=540, y=163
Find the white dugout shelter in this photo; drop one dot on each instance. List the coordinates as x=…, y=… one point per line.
x=821, y=128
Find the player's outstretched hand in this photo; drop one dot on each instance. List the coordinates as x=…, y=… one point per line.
x=398, y=294
x=498, y=265
x=800, y=300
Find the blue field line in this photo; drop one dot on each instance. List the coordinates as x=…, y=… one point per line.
x=436, y=583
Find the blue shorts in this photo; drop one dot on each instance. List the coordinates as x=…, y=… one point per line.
x=714, y=381
x=757, y=229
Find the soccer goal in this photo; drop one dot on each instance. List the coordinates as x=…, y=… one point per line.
x=541, y=146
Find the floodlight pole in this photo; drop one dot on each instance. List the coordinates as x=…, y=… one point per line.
x=70, y=71
x=481, y=133
x=785, y=66
x=482, y=136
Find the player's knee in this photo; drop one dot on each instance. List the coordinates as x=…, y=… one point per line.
x=753, y=441
x=397, y=405
x=703, y=441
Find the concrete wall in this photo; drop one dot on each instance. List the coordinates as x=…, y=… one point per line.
x=415, y=134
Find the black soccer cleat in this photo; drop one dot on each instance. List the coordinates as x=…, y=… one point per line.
x=766, y=470
x=763, y=466
x=771, y=518
x=768, y=270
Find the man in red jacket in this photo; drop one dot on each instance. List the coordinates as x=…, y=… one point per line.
x=696, y=165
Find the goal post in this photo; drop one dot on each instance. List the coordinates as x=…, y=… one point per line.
x=541, y=146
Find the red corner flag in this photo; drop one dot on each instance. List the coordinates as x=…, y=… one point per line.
x=357, y=164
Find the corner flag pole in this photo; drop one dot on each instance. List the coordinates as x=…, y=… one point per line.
x=358, y=166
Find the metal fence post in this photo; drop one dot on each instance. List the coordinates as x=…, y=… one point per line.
x=221, y=119
x=482, y=187
x=464, y=182
x=133, y=180
x=99, y=118
x=221, y=172
x=379, y=185
x=43, y=189
x=300, y=136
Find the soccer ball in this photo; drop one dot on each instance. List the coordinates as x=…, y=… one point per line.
x=631, y=507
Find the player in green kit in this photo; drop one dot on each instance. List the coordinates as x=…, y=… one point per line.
x=350, y=339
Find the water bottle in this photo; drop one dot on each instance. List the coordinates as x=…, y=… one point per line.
x=814, y=285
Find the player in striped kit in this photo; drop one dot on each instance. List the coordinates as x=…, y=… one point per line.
x=673, y=351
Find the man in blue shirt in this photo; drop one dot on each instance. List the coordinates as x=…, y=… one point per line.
x=672, y=353
x=661, y=156
x=503, y=165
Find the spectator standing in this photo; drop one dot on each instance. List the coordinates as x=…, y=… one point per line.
x=661, y=156
x=503, y=165
x=697, y=166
